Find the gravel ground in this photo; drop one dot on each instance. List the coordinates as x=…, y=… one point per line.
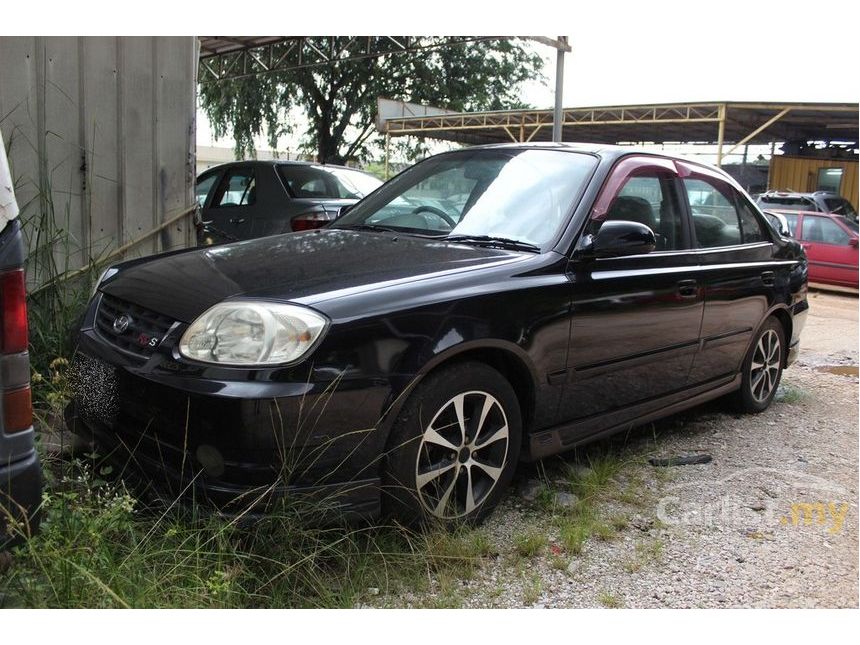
x=771, y=521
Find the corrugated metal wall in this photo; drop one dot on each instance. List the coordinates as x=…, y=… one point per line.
x=106, y=125
x=801, y=174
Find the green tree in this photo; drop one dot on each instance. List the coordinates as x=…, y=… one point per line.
x=339, y=100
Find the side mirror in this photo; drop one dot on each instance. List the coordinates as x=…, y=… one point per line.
x=853, y=242
x=617, y=238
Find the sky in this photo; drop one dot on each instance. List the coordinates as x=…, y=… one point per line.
x=660, y=52
x=673, y=51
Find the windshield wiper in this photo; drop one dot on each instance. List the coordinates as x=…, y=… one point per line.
x=387, y=229
x=372, y=227
x=493, y=241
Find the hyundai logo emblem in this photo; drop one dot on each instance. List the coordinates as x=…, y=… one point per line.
x=121, y=323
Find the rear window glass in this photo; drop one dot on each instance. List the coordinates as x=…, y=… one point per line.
x=850, y=224
x=715, y=220
x=789, y=203
x=204, y=185
x=327, y=182
x=840, y=206
x=239, y=188
x=750, y=226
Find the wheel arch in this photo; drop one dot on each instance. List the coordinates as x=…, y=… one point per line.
x=782, y=314
x=506, y=358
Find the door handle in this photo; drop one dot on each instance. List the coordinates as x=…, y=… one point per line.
x=768, y=278
x=236, y=220
x=688, y=288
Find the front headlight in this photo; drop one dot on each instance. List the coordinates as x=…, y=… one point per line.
x=107, y=273
x=252, y=333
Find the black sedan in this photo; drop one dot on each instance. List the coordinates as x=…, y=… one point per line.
x=485, y=306
x=246, y=199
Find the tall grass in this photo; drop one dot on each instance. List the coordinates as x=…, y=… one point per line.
x=100, y=547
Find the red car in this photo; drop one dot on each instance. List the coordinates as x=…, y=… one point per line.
x=830, y=242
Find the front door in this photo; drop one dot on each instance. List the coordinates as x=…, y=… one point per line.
x=635, y=325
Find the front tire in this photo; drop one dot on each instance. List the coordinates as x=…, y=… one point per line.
x=762, y=369
x=454, y=448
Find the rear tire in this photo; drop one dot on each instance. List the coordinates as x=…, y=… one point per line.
x=762, y=369
x=454, y=448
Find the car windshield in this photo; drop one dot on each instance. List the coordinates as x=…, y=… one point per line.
x=327, y=182
x=479, y=196
x=840, y=206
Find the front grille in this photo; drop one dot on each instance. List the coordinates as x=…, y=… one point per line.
x=144, y=333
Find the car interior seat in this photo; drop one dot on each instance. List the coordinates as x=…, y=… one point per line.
x=636, y=209
x=632, y=209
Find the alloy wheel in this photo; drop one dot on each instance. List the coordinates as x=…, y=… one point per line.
x=462, y=454
x=764, y=369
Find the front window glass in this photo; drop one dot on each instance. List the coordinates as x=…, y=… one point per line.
x=650, y=201
x=817, y=228
x=326, y=182
x=522, y=195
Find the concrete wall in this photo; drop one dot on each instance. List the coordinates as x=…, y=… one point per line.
x=106, y=126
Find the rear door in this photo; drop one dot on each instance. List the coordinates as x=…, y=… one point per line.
x=738, y=271
x=831, y=249
x=230, y=209
x=635, y=320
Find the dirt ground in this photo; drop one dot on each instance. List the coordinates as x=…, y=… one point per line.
x=771, y=521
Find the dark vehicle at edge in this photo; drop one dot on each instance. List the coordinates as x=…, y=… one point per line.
x=486, y=305
x=248, y=199
x=20, y=471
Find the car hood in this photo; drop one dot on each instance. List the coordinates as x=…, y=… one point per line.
x=311, y=266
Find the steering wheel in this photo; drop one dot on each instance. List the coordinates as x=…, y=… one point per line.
x=438, y=212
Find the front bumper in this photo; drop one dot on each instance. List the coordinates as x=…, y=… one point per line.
x=20, y=499
x=187, y=482
x=793, y=353
x=240, y=447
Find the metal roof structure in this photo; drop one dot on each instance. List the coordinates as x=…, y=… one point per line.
x=230, y=57
x=719, y=123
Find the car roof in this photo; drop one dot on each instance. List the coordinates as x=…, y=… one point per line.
x=781, y=211
x=792, y=193
x=605, y=151
x=609, y=151
x=280, y=162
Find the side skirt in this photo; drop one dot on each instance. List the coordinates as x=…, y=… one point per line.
x=570, y=435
